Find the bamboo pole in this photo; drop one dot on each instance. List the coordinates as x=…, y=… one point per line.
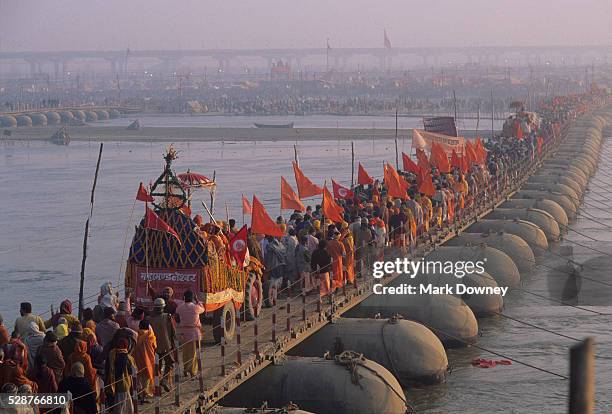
x=85, y=237
x=582, y=377
x=352, y=164
x=396, y=152
x=212, y=195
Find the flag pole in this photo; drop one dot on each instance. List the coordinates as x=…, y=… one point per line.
x=455, y=108
x=295, y=155
x=396, y=153
x=86, y=236
x=352, y=164
x=212, y=197
x=492, y=114
x=242, y=202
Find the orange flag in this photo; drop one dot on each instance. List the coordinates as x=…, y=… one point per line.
x=519, y=131
x=481, y=152
x=363, y=178
x=331, y=210
x=409, y=165
x=426, y=187
x=261, y=223
x=306, y=188
x=540, y=142
x=471, y=153
x=289, y=199
x=246, y=206
x=423, y=162
x=439, y=159
x=456, y=161
x=396, y=186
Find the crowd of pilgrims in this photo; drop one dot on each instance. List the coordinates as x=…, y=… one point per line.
x=110, y=351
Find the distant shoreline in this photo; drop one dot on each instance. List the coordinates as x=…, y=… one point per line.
x=206, y=134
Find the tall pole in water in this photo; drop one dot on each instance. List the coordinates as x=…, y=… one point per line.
x=396, y=153
x=582, y=378
x=352, y=164
x=327, y=56
x=455, y=108
x=86, y=236
x=492, y=115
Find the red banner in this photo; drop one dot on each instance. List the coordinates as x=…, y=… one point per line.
x=180, y=280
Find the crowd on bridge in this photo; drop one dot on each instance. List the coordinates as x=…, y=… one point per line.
x=107, y=356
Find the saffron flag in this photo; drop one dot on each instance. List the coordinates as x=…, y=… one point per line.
x=481, y=152
x=261, y=223
x=342, y=192
x=519, y=131
x=426, y=187
x=154, y=222
x=439, y=159
x=331, y=210
x=306, y=188
x=363, y=178
x=143, y=195
x=238, y=246
x=540, y=142
x=422, y=160
x=456, y=162
x=409, y=165
x=396, y=186
x=289, y=199
x=246, y=206
x=471, y=153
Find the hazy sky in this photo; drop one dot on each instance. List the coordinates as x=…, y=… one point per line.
x=161, y=24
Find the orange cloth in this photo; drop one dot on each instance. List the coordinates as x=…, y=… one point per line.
x=261, y=223
x=324, y=287
x=336, y=250
x=79, y=354
x=144, y=357
x=306, y=188
x=349, y=247
x=331, y=210
x=289, y=199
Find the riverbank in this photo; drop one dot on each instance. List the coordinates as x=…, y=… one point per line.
x=200, y=134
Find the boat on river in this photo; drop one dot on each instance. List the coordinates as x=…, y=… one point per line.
x=289, y=125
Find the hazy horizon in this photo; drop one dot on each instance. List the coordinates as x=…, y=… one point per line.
x=29, y=25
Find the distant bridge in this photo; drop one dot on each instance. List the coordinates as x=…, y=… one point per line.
x=118, y=59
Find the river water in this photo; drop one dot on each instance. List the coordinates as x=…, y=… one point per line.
x=45, y=192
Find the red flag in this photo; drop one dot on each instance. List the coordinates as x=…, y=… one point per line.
x=438, y=158
x=238, y=246
x=456, y=161
x=519, y=130
x=363, y=178
x=409, y=165
x=154, y=222
x=426, y=187
x=289, y=199
x=143, y=195
x=471, y=153
x=331, y=210
x=396, y=186
x=540, y=142
x=261, y=223
x=306, y=188
x=423, y=162
x=481, y=152
x=246, y=206
x=342, y=192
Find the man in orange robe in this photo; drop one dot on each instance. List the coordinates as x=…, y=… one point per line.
x=336, y=250
x=144, y=356
x=349, y=247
